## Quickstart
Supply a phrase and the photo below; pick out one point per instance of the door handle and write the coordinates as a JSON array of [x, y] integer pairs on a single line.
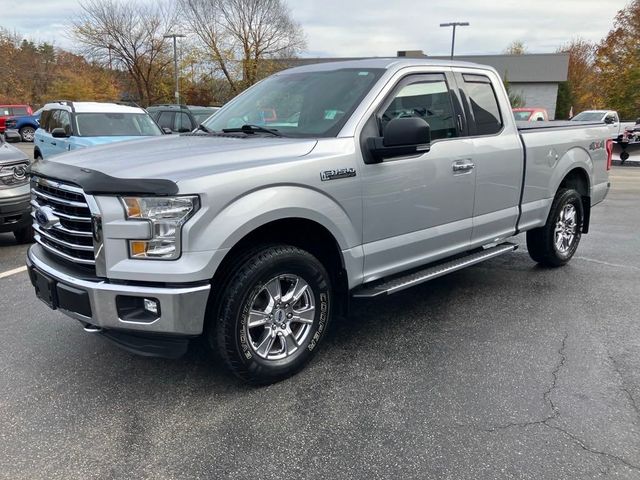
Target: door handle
[[54, 143], [462, 166]]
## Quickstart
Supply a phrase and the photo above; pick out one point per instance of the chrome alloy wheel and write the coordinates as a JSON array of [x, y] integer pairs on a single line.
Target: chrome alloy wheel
[[566, 228], [280, 317], [27, 134]]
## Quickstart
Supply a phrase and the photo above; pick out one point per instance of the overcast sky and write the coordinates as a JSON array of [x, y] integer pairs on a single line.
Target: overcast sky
[[381, 27]]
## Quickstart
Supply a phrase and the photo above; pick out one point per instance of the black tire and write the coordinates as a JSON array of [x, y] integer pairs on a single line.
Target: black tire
[[24, 235], [541, 241], [27, 133], [624, 156], [236, 343]]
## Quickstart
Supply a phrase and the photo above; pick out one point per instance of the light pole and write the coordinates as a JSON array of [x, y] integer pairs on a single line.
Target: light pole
[[453, 37], [175, 61]]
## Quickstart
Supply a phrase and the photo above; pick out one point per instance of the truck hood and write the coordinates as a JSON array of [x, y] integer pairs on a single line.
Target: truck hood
[[9, 153], [180, 157]]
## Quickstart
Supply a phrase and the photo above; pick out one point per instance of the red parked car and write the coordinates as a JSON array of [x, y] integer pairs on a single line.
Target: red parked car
[[12, 111], [530, 114]]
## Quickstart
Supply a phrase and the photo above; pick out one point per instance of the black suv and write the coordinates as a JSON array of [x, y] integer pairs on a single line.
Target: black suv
[[180, 118]]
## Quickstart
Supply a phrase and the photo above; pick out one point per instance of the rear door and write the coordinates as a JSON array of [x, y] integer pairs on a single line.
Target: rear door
[[497, 156], [166, 120]]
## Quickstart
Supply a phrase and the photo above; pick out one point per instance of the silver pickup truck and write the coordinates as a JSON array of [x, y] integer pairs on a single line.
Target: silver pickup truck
[[318, 184]]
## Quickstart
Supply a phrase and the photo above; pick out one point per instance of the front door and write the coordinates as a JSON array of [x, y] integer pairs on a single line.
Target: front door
[[418, 209]]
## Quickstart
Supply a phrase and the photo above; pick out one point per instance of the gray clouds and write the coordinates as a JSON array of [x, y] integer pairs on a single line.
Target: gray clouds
[[380, 27]]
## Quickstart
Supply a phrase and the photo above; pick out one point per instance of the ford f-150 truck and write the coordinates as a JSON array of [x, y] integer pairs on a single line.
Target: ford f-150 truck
[[365, 178]]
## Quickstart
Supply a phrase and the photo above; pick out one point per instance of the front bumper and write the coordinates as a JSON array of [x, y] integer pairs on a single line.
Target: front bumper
[[99, 303], [15, 213]]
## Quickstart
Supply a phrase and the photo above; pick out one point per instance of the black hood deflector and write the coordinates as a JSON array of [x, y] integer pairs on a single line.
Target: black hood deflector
[[97, 183]]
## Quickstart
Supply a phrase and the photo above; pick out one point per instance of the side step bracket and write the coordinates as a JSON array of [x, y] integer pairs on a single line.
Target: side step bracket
[[396, 284]]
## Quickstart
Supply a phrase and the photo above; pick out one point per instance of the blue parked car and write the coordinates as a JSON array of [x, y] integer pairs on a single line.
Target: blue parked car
[[26, 125], [68, 126]]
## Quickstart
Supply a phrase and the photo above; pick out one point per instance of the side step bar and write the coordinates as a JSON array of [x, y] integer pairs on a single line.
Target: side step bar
[[396, 284]]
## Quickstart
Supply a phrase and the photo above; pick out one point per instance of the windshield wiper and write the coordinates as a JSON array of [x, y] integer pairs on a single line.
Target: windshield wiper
[[251, 129], [204, 129]]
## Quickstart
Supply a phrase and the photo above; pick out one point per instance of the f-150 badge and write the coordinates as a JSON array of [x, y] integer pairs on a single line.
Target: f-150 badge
[[337, 173]]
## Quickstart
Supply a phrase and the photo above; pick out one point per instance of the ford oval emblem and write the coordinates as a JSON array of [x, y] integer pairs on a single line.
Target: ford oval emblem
[[46, 218], [19, 172]]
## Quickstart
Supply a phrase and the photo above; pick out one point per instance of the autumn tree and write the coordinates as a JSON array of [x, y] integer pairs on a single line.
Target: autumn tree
[[517, 47], [129, 35], [580, 90], [244, 37], [617, 63]]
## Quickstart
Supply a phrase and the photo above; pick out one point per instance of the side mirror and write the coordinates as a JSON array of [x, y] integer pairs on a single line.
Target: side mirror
[[609, 120], [401, 137], [166, 130], [59, 133]]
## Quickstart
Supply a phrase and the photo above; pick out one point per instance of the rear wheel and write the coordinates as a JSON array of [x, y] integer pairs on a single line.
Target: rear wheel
[[27, 134], [556, 242], [624, 156], [272, 314]]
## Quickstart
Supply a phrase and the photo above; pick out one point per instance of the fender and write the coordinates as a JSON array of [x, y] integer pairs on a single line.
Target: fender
[[576, 157], [276, 202]]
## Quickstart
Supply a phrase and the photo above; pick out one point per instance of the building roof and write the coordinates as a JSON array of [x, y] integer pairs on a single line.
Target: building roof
[[526, 68]]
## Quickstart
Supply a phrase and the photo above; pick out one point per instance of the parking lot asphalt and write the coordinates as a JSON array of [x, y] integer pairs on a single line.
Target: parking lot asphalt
[[501, 371]]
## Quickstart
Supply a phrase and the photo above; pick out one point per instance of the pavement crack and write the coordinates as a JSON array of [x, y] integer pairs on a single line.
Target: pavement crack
[[555, 411], [546, 397], [623, 387], [589, 449], [556, 371]]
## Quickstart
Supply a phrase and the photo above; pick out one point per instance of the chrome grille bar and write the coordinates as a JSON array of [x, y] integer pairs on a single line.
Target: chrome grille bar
[[68, 232]]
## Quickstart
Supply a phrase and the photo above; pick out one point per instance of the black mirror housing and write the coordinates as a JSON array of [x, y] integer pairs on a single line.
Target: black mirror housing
[[59, 133], [406, 131], [402, 136], [167, 131]]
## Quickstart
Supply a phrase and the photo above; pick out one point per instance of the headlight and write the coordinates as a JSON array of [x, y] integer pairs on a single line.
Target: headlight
[[14, 175], [166, 215]]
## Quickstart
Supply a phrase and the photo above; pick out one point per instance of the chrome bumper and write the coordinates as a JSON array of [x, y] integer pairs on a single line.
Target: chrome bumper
[[182, 309]]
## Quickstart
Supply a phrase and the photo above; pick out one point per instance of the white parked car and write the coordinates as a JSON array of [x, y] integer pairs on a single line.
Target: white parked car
[[610, 117]]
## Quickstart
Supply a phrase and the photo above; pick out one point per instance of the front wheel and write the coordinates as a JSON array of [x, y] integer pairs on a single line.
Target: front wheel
[[273, 314], [27, 134], [556, 242]]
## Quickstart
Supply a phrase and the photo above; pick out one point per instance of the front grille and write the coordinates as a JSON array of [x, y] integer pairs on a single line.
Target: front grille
[[67, 232]]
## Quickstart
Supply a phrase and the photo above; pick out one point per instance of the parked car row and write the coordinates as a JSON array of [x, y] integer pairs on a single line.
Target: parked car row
[[171, 118]]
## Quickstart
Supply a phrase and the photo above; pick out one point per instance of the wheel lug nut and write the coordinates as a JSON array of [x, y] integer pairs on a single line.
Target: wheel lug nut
[[289, 315]]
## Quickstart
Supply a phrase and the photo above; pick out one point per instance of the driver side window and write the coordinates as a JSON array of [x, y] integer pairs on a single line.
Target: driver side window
[[428, 98]]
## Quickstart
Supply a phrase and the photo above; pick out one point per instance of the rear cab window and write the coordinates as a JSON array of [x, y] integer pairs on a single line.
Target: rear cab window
[[483, 105]]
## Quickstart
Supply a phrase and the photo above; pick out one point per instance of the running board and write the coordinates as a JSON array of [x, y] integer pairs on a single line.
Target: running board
[[387, 287]]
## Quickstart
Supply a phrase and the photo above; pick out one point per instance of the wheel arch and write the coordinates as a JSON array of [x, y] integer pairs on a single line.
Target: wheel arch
[[578, 180], [304, 233]]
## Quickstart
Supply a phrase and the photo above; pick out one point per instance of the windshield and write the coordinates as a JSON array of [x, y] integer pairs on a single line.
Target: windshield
[[588, 117], [115, 125], [308, 104], [522, 115]]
